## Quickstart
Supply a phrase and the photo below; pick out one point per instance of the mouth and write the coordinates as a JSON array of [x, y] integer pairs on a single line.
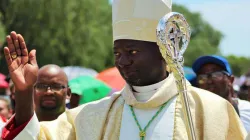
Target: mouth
[[212, 89], [128, 74], [48, 101]]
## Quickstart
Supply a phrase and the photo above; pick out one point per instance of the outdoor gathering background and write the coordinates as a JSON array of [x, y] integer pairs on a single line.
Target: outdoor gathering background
[[79, 32]]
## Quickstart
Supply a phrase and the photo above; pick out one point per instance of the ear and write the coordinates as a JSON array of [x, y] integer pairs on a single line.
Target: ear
[[231, 79], [68, 94]]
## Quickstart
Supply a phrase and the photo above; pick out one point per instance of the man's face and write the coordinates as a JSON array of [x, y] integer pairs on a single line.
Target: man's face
[[50, 91], [212, 78], [244, 92], [74, 100], [140, 63], [4, 110], [245, 89]]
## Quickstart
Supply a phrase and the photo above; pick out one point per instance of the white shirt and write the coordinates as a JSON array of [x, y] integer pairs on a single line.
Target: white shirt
[[2, 124], [160, 129], [244, 109]]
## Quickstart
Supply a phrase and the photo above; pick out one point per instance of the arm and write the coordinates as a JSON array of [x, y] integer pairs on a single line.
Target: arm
[[23, 104], [10, 131], [61, 128], [23, 70]]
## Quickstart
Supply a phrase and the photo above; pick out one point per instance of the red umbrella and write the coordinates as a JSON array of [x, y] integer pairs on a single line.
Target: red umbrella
[[112, 78], [3, 83]]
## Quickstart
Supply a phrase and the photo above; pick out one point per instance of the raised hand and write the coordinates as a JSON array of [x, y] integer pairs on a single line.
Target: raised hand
[[22, 65], [23, 71]]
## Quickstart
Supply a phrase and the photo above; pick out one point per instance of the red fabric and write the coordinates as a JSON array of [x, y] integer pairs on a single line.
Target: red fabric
[[10, 131], [3, 83], [3, 119]]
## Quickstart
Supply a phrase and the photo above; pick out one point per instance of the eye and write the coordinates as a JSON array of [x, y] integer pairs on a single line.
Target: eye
[[202, 77], [133, 52], [41, 86], [56, 87], [217, 74]]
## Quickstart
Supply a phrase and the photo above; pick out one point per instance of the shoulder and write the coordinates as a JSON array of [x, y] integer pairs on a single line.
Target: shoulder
[[208, 100], [89, 108], [95, 106], [205, 95]]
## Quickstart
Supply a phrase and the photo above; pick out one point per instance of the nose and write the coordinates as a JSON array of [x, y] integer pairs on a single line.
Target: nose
[[49, 91], [124, 61], [209, 80]]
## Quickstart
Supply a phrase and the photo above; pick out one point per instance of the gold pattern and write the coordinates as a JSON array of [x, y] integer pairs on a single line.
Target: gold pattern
[[109, 111], [13, 56], [142, 134]]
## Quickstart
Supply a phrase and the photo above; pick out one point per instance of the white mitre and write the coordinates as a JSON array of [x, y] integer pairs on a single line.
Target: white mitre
[[138, 19]]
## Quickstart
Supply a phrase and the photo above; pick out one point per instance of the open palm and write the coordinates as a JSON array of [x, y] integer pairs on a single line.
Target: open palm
[[21, 64]]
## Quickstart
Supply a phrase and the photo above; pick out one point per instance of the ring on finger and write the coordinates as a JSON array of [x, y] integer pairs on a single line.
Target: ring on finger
[[14, 56]]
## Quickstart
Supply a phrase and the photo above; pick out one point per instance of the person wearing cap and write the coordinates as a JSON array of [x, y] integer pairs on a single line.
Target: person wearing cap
[[149, 106], [215, 75], [245, 87]]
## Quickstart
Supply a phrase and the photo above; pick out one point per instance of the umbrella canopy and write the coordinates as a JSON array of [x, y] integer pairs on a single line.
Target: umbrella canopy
[[189, 73], [76, 71], [89, 88], [3, 82], [112, 78]]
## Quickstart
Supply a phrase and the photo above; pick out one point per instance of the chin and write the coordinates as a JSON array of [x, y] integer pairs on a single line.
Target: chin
[[133, 82], [48, 107]]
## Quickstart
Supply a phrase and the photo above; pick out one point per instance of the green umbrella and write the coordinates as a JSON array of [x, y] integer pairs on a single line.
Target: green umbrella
[[89, 88]]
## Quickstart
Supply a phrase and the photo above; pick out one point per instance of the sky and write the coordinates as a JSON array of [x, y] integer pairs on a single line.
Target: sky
[[231, 17]]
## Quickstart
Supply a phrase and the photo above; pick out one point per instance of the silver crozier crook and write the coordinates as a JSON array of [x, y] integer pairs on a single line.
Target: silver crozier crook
[[173, 35]]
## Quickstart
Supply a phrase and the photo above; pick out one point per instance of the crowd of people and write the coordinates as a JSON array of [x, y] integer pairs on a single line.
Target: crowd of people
[[42, 103]]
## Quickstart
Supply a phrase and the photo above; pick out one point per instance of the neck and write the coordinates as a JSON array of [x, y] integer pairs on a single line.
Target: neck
[[144, 93], [165, 92], [151, 82], [229, 98], [231, 95], [48, 115]]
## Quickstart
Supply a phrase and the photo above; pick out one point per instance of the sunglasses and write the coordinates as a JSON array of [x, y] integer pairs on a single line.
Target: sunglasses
[[218, 75]]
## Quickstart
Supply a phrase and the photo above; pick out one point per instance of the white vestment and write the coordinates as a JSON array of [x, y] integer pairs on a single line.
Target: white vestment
[[162, 126]]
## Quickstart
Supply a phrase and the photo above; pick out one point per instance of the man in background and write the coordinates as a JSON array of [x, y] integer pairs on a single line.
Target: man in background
[[5, 108], [214, 74], [50, 92], [244, 93]]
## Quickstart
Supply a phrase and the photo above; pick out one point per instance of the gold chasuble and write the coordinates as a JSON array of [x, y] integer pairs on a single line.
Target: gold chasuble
[[214, 118]]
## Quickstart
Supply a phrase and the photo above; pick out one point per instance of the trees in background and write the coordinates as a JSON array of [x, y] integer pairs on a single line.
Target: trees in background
[[79, 32], [239, 65], [204, 38], [64, 32]]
